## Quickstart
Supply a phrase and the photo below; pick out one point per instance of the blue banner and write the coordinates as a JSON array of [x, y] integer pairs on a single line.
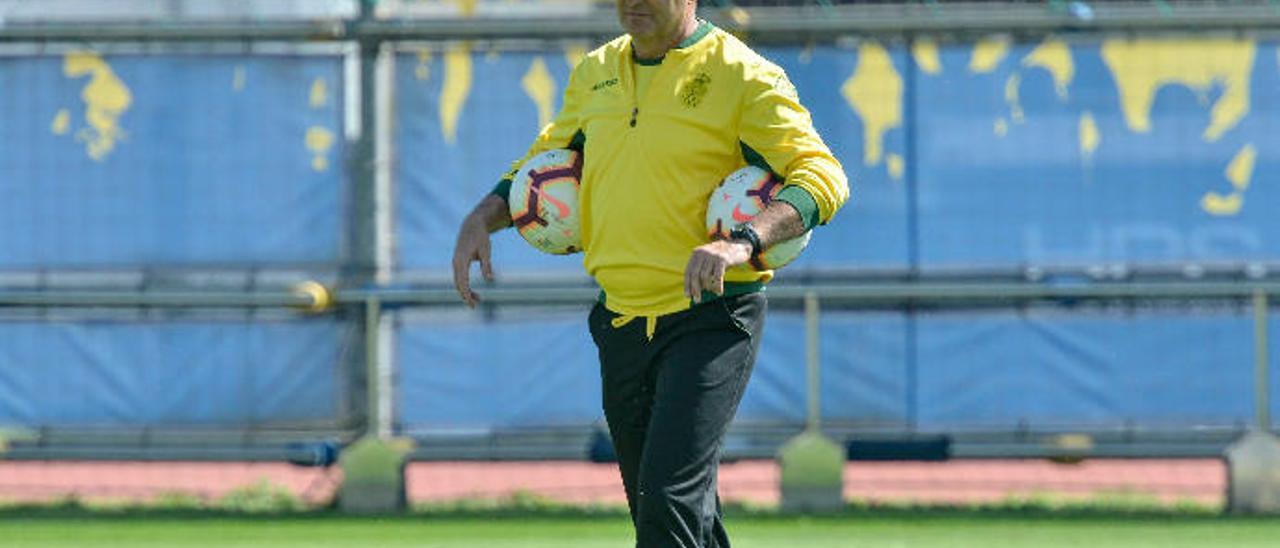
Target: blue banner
[[1106, 370], [463, 373], [177, 373], [1124, 152], [154, 160], [1042, 369]]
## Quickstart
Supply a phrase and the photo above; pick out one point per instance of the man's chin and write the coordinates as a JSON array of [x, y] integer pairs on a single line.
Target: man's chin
[[637, 26]]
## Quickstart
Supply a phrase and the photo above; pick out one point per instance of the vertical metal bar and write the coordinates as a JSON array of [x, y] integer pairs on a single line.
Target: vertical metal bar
[[911, 354], [910, 131], [360, 246], [910, 156], [383, 206], [383, 150], [1261, 361], [813, 362], [375, 416], [386, 375]]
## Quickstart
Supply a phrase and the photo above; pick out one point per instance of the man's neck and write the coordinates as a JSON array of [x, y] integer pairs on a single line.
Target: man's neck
[[658, 47]]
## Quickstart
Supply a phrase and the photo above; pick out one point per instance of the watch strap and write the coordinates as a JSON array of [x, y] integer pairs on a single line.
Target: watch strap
[[747, 232]]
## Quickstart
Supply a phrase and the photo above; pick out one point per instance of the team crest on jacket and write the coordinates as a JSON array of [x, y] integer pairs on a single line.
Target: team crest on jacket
[[695, 89]]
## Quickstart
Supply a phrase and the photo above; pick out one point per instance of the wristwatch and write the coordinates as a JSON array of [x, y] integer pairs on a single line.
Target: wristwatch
[[747, 232]]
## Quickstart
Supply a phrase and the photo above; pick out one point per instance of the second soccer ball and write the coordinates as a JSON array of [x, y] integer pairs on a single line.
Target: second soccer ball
[[742, 195]]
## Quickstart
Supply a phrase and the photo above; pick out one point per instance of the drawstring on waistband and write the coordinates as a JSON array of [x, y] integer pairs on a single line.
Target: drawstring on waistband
[[731, 289], [650, 323]]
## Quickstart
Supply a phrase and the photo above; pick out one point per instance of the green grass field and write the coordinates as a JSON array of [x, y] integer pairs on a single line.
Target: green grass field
[[611, 531]]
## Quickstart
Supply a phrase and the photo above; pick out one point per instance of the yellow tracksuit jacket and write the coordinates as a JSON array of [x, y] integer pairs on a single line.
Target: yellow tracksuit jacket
[[651, 162]]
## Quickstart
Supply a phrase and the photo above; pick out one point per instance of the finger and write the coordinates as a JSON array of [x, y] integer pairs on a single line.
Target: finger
[[696, 285], [717, 283], [462, 279], [486, 265], [708, 281]]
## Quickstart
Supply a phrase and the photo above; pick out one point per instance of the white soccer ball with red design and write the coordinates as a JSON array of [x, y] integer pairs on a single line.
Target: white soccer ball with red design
[[544, 201], [742, 195]]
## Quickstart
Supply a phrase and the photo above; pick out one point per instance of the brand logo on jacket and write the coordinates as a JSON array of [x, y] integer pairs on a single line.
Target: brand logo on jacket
[[604, 84]]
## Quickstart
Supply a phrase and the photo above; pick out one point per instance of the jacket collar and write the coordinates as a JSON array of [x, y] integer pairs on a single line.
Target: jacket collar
[[704, 28]]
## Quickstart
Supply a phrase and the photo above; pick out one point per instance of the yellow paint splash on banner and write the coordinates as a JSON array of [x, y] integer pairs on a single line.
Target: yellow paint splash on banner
[[1054, 56], [874, 92], [1240, 174], [925, 52], [61, 122], [1012, 98], [319, 141], [319, 95], [457, 87], [1141, 67], [1090, 137], [106, 99], [987, 55], [540, 88], [422, 71]]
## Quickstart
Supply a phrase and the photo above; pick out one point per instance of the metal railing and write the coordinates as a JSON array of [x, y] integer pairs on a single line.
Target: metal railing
[[931, 295], [373, 302], [766, 23]]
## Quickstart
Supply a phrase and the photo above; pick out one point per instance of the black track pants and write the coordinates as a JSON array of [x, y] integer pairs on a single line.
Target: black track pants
[[668, 401]]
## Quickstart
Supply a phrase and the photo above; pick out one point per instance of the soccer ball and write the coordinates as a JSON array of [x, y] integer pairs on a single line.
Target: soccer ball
[[544, 201], [742, 195]]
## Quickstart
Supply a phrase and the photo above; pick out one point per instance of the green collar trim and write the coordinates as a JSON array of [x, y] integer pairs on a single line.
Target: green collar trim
[[704, 28], [647, 62]]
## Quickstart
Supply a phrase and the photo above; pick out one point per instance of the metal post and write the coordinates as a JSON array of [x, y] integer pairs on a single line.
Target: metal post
[[360, 256], [1261, 362], [362, 253], [811, 465], [374, 475], [378, 79], [813, 362], [376, 414], [1252, 484]]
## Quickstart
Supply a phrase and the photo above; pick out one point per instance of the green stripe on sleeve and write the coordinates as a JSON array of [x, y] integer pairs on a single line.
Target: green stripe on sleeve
[[804, 203], [503, 190]]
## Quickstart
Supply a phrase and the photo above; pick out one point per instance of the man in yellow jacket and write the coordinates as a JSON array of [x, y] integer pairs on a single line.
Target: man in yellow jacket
[[662, 115]]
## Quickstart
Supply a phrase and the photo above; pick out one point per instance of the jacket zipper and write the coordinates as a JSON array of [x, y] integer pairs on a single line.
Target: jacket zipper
[[635, 97]]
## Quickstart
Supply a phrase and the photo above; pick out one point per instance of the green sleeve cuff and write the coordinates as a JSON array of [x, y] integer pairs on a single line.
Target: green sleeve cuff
[[804, 203], [503, 190]]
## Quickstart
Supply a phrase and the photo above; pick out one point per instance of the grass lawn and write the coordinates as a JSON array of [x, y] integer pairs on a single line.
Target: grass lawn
[[904, 530]]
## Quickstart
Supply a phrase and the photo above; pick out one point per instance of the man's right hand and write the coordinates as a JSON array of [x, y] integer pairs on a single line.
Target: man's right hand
[[473, 245]]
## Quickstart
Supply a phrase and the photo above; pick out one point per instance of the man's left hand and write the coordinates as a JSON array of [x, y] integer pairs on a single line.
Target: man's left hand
[[705, 271]]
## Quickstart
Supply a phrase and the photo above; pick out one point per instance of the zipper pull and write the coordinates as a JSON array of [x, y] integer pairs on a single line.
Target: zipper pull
[[634, 112]]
